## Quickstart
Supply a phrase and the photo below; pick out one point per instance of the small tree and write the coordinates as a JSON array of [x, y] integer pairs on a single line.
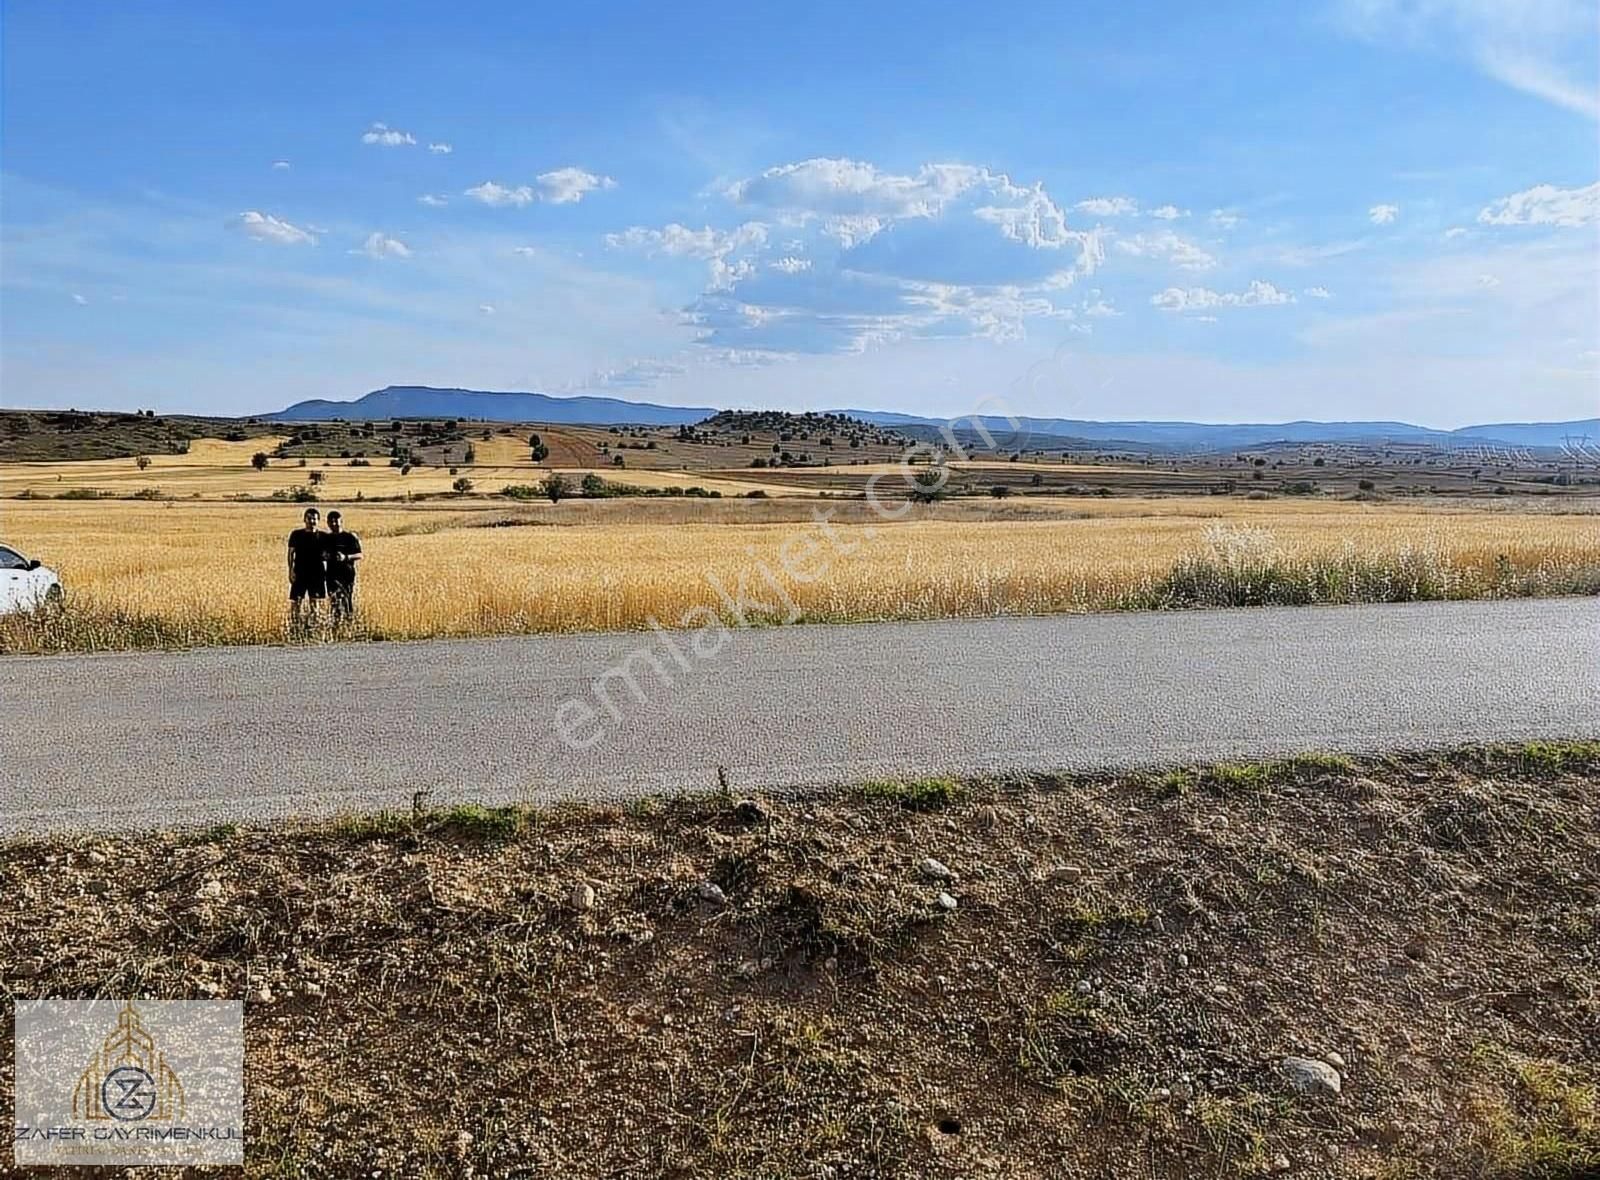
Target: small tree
[[462, 486], [142, 462], [259, 460], [316, 476], [593, 485], [1037, 480], [555, 487], [1000, 491], [540, 452], [928, 486]]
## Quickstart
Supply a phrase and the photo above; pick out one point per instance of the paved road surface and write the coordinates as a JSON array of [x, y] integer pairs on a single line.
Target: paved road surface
[[102, 742]]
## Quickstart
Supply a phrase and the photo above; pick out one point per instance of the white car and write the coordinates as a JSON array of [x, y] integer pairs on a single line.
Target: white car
[[24, 583]]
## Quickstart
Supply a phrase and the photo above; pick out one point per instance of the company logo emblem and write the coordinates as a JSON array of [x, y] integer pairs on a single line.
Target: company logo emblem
[[128, 1078]]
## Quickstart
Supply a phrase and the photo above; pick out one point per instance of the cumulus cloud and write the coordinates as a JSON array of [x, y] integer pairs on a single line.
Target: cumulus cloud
[[867, 256], [264, 227], [440, 149], [1545, 204], [525, 251], [848, 188], [379, 245], [499, 195], [715, 246], [486, 308], [563, 186], [1317, 293], [433, 200], [1168, 212], [1383, 214], [280, 165], [382, 135], [80, 300], [1168, 246], [1225, 218], [1257, 294], [1108, 206]]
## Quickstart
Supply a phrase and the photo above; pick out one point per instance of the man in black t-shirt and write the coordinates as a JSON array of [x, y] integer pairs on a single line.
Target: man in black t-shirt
[[342, 550], [308, 579]]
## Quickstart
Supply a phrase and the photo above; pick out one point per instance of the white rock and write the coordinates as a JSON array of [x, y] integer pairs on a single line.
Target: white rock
[[582, 897], [711, 893], [1334, 1060], [936, 869], [1315, 1079], [946, 902]]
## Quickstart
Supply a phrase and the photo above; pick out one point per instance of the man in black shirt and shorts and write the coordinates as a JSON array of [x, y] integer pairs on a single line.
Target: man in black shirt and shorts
[[343, 550], [308, 579]]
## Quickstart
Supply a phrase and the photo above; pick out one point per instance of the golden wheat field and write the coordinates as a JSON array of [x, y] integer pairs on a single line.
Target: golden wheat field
[[216, 469], [214, 572]]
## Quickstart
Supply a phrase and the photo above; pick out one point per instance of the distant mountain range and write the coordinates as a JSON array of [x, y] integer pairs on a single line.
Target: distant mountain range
[[419, 401]]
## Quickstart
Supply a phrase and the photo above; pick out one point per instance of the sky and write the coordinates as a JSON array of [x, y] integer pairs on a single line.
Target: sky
[[1338, 209]]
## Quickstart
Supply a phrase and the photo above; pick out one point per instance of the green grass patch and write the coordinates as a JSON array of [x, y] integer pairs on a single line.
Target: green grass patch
[[918, 794]]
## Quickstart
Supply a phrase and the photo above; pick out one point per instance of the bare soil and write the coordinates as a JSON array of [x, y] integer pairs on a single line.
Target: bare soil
[[775, 987]]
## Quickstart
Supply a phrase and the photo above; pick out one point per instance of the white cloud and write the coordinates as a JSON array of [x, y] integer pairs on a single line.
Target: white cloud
[[637, 374], [1108, 206], [708, 245], [851, 230], [1225, 218], [1383, 214], [681, 241], [440, 149], [280, 165], [1455, 231], [790, 265], [432, 200], [1258, 294], [1317, 293], [1545, 204], [525, 251], [563, 186], [263, 227], [1488, 282], [1542, 47], [498, 195], [1169, 246], [385, 136], [1168, 212], [846, 188], [380, 246], [79, 300], [486, 308]]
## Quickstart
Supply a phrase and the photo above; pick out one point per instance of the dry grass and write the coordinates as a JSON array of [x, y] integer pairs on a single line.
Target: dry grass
[[1111, 996], [153, 574]]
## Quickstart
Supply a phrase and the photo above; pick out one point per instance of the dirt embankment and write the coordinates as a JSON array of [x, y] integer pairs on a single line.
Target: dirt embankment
[[1062, 977]]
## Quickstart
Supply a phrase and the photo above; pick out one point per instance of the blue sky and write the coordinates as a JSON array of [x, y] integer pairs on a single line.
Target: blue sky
[[1341, 209]]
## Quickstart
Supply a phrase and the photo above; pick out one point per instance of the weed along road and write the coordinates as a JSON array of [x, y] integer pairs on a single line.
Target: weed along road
[[105, 742]]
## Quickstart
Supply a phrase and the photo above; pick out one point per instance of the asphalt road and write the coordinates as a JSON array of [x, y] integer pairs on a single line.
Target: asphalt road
[[140, 740]]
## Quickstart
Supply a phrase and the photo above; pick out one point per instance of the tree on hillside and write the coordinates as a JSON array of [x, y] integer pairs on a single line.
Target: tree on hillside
[[462, 486], [142, 462], [555, 487], [259, 460]]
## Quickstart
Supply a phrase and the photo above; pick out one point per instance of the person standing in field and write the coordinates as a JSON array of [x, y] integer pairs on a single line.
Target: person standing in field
[[343, 550], [308, 578]]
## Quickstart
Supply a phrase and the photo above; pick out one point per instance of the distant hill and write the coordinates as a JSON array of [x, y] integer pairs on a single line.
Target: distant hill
[[1207, 436], [420, 401]]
